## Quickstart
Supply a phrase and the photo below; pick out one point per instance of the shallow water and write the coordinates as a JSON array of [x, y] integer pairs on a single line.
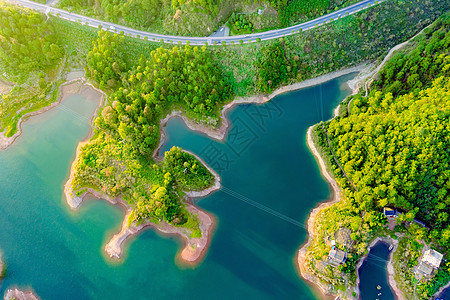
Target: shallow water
[[271, 182]]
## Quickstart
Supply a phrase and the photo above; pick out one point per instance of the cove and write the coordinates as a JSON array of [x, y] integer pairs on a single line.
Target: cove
[[271, 183], [373, 274]]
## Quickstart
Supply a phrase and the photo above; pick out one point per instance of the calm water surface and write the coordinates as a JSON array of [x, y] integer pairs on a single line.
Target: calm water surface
[[373, 274], [271, 183]]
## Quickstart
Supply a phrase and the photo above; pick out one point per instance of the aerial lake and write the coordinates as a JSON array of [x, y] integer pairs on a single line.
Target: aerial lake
[[271, 182]]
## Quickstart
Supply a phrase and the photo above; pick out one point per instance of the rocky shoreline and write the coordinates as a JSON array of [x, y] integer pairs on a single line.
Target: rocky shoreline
[[16, 294]]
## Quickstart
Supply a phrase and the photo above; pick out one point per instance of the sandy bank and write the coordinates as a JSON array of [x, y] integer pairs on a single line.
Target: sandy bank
[[336, 196], [17, 294], [66, 89], [194, 247]]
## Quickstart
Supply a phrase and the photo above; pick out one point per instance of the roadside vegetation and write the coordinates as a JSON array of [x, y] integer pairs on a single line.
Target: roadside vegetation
[[392, 149], [203, 17], [365, 36]]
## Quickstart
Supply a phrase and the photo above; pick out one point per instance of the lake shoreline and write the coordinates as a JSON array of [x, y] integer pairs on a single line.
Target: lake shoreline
[[219, 133], [335, 197], [194, 248], [66, 89], [389, 267], [310, 228], [362, 80]]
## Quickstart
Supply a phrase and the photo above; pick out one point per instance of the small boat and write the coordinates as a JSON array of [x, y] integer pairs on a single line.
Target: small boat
[[378, 287]]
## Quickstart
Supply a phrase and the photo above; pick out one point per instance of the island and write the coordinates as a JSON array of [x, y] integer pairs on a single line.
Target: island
[[385, 154]]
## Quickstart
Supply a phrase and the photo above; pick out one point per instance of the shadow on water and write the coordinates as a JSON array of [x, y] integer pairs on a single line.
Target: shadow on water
[[373, 274]]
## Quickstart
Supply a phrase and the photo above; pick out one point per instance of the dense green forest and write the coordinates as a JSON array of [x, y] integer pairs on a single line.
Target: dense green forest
[[30, 55], [118, 160], [365, 36], [405, 138], [144, 85], [201, 17], [144, 81], [393, 146]]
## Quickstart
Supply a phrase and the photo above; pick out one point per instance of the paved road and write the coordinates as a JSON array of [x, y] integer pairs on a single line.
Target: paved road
[[267, 35]]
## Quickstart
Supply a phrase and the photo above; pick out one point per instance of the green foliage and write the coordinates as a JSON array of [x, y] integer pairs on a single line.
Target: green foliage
[[106, 59], [199, 17], [368, 144], [27, 42], [364, 36], [31, 56], [302, 10], [426, 288], [135, 13], [188, 172], [118, 161], [183, 78], [240, 24], [273, 67], [394, 149], [408, 71]]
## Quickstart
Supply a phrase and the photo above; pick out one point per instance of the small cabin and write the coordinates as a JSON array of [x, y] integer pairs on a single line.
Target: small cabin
[[390, 212], [431, 260], [337, 256]]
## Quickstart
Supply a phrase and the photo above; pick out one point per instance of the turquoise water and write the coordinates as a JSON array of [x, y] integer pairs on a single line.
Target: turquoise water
[[373, 274], [271, 183]]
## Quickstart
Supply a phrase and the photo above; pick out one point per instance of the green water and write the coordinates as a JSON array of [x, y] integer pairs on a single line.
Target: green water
[[265, 160]]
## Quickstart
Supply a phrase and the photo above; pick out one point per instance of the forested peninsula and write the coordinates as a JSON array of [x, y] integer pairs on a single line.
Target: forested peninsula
[[146, 81], [388, 152]]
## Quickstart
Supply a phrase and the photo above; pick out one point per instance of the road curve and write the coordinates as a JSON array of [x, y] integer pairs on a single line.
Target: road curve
[[267, 35]]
